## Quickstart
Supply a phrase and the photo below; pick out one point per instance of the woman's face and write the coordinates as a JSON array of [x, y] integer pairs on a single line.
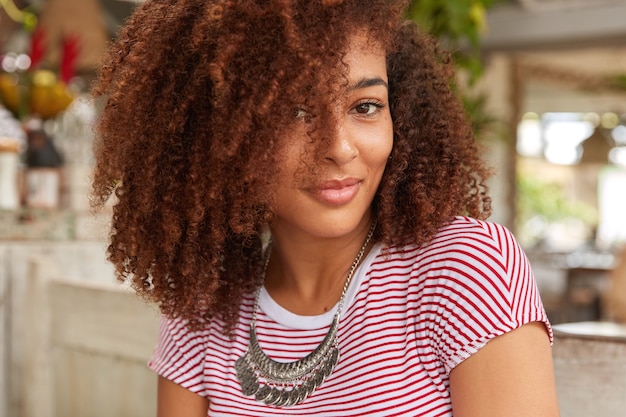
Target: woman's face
[[338, 198]]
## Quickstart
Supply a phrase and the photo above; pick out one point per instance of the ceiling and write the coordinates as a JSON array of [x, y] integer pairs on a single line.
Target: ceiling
[[567, 50], [549, 24]]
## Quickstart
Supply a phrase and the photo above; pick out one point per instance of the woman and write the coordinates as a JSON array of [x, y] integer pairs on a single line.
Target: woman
[[290, 179]]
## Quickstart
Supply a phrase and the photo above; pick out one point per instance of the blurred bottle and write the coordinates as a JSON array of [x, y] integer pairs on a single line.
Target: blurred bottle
[[43, 163], [9, 168], [12, 142]]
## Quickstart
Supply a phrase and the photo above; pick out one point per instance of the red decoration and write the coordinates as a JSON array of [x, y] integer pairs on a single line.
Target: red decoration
[[70, 52], [37, 48]]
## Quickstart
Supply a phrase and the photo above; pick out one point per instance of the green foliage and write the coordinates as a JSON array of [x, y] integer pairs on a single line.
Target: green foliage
[[536, 197], [618, 82], [458, 24], [26, 16]]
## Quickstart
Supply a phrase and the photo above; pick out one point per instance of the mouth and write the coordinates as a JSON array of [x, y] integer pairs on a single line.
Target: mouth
[[336, 192]]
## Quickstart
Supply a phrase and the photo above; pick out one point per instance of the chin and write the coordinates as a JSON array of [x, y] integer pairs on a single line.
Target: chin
[[339, 226]]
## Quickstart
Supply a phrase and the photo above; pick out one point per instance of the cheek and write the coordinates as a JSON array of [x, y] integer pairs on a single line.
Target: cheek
[[389, 146], [381, 148]]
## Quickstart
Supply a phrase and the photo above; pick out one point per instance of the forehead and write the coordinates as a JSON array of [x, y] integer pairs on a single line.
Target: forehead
[[365, 58]]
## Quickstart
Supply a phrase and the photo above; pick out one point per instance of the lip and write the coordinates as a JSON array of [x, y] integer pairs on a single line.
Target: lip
[[337, 192]]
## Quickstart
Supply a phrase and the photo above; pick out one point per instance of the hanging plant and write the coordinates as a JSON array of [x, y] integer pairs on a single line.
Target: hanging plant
[[459, 26]]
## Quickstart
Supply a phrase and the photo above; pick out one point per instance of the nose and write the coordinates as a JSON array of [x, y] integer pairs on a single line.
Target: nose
[[343, 145]]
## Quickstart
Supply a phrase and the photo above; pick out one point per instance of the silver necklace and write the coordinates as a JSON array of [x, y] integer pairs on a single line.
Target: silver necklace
[[287, 384]]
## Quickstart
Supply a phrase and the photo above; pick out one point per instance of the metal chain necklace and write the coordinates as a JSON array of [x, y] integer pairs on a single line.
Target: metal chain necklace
[[287, 384]]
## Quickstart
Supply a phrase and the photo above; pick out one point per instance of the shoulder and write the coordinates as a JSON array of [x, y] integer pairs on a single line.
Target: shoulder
[[464, 240], [181, 352], [471, 268], [478, 284], [467, 229], [479, 243], [177, 341]]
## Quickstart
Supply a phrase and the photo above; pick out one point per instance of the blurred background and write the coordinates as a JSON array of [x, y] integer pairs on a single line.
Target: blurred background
[[544, 82]]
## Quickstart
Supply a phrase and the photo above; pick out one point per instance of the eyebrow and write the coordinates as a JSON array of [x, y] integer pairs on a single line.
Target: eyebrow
[[369, 82]]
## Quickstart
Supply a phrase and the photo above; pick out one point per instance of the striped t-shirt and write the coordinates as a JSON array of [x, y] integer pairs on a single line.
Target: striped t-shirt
[[411, 315]]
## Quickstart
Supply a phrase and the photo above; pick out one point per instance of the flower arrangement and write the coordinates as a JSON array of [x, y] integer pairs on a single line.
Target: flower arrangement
[[27, 89]]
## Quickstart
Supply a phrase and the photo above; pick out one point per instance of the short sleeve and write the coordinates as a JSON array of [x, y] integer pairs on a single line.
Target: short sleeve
[[482, 287], [179, 355]]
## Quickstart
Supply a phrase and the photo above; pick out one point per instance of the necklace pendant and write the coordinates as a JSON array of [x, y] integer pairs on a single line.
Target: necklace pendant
[[278, 390], [247, 378]]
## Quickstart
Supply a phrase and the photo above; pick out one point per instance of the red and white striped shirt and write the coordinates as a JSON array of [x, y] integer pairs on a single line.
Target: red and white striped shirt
[[411, 315]]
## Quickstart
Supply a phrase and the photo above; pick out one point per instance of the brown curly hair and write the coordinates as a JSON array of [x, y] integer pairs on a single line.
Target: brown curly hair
[[195, 92]]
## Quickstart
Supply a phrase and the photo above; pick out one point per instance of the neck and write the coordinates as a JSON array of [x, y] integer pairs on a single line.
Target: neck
[[306, 275]]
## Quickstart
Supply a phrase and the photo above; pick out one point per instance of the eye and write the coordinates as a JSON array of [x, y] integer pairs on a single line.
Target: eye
[[368, 107]]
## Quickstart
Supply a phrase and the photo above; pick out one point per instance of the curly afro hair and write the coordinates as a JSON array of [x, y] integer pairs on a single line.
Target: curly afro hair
[[194, 94]]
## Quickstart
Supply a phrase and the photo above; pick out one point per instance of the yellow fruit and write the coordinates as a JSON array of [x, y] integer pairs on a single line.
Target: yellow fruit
[[49, 100], [46, 96], [9, 92], [44, 78]]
